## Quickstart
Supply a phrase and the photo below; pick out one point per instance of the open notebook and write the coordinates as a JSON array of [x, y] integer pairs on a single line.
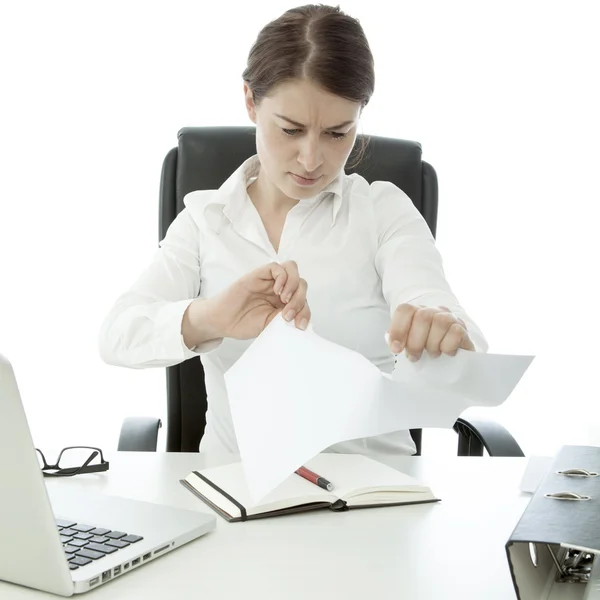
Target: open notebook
[[359, 482]]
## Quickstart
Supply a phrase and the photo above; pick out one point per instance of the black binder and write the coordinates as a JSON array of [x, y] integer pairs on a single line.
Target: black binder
[[558, 537]]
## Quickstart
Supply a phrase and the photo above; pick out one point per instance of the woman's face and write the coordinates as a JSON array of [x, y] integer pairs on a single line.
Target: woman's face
[[304, 136]]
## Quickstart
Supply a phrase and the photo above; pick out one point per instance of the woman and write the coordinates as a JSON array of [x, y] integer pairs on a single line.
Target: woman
[[290, 233]]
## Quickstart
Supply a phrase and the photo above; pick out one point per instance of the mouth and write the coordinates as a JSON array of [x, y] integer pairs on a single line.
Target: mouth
[[305, 180]]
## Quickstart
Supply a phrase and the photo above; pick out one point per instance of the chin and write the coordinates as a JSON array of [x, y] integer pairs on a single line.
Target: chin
[[296, 194]]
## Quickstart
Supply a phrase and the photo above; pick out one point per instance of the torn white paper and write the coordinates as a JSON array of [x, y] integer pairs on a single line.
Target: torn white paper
[[293, 394]]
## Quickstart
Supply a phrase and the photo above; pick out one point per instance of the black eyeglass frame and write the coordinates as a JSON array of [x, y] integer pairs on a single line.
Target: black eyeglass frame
[[70, 471]]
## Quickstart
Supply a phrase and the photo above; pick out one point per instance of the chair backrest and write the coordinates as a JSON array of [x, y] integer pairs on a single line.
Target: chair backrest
[[204, 158]]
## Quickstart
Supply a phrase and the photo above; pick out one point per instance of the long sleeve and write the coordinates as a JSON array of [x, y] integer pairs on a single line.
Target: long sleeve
[[409, 264], [143, 328]]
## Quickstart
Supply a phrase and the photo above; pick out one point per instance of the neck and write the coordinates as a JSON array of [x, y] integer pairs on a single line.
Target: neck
[[269, 199]]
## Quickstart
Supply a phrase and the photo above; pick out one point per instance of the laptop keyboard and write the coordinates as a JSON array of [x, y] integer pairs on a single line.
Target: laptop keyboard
[[85, 543]]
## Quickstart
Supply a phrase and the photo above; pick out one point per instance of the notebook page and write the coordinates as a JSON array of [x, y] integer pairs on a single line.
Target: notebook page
[[230, 478], [354, 473]]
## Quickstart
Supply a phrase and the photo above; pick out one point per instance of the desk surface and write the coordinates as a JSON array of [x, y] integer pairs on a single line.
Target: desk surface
[[449, 550]]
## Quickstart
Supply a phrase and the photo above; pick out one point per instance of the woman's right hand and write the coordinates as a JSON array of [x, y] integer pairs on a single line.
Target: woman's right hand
[[247, 306]]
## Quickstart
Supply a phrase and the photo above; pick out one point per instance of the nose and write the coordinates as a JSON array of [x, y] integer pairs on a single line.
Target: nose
[[310, 155]]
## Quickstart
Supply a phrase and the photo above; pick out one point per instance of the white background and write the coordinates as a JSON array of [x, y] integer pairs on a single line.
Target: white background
[[502, 96]]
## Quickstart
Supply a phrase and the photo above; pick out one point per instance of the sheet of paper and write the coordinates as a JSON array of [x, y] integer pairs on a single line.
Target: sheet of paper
[[293, 394]]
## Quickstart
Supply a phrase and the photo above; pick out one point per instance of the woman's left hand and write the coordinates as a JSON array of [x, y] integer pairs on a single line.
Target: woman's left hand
[[418, 328]]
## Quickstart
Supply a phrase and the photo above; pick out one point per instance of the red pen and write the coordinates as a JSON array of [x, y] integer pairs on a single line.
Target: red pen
[[314, 478]]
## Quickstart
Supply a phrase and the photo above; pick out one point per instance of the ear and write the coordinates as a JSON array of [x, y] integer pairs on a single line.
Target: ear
[[250, 106]]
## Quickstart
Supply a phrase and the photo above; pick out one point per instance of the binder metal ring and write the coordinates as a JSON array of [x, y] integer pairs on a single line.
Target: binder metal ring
[[533, 554], [567, 496], [577, 473]]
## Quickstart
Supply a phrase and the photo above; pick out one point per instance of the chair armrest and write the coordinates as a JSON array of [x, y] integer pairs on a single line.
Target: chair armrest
[[139, 434], [476, 434]]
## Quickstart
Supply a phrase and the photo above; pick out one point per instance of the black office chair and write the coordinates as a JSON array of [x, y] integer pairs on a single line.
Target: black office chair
[[204, 159]]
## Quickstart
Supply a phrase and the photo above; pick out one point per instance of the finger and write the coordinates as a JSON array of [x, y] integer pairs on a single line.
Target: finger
[[273, 272], [400, 326], [467, 343], [419, 332], [453, 340], [296, 303], [457, 318], [442, 321], [292, 281], [303, 317]]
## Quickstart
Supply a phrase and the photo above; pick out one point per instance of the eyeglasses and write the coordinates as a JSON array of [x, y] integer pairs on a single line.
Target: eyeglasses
[[73, 460]]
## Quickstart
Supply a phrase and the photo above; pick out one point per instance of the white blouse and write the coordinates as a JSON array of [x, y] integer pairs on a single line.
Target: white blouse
[[363, 249]]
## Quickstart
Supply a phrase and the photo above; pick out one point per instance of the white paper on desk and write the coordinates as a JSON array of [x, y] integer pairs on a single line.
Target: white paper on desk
[[293, 393]]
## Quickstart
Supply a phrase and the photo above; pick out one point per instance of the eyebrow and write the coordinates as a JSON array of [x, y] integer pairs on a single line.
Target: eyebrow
[[304, 126]]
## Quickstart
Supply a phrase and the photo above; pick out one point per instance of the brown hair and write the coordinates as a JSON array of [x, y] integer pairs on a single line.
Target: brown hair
[[315, 42]]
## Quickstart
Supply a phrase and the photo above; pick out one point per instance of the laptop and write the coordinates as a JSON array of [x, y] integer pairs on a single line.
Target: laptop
[[66, 542]]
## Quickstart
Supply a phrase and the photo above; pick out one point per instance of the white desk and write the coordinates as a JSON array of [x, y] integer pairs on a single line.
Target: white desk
[[450, 550]]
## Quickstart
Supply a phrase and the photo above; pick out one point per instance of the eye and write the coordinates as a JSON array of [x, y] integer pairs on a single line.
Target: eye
[[336, 135], [291, 131]]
